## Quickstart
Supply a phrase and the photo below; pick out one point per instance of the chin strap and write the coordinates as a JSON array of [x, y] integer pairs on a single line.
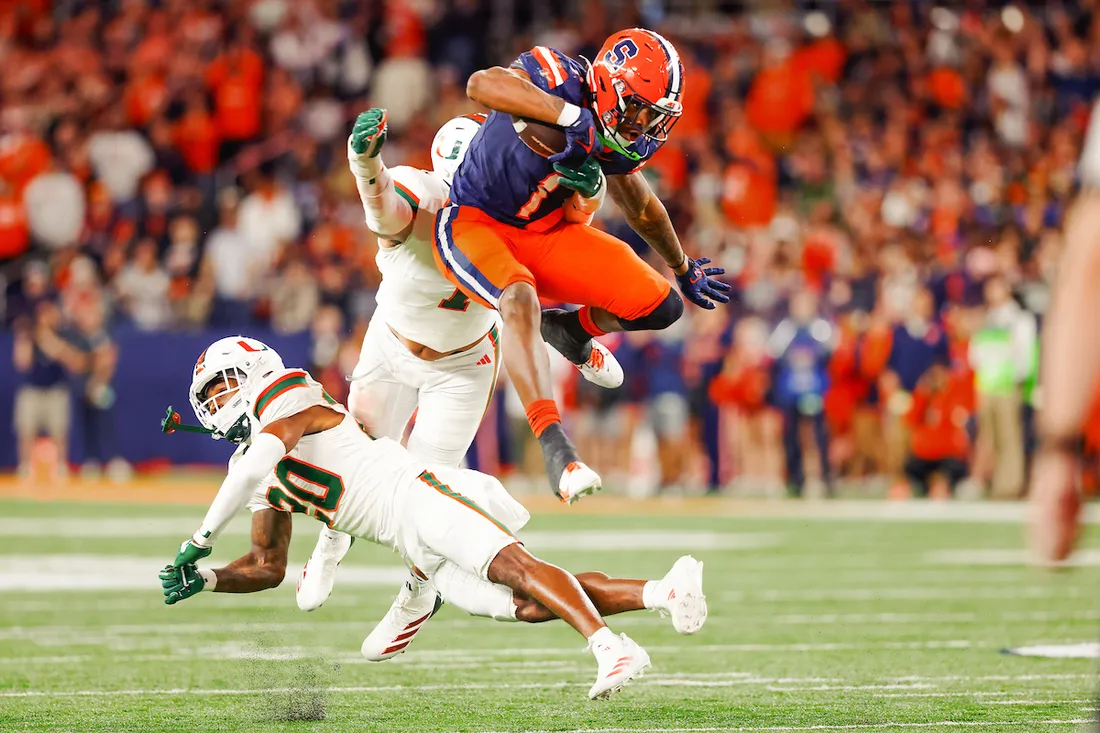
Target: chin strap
[[170, 423]]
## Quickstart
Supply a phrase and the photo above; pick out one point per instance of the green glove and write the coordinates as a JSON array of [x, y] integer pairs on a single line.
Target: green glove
[[180, 582], [368, 135], [585, 178], [191, 552]]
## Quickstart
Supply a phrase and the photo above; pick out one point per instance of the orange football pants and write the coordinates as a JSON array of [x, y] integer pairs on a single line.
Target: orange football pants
[[565, 262]]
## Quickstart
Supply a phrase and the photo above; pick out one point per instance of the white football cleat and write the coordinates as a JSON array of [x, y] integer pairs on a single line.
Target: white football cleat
[[319, 573], [681, 595], [578, 481], [602, 368], [620, 660], [414, 605]]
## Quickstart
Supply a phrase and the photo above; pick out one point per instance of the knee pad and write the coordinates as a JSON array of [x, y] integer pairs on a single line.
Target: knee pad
[[667, 312]]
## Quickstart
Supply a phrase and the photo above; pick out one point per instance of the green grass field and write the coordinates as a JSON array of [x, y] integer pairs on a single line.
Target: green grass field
[[815, 624]]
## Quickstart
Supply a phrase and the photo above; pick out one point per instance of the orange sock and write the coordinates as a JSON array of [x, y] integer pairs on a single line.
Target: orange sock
[[584, 315], [541, 414]]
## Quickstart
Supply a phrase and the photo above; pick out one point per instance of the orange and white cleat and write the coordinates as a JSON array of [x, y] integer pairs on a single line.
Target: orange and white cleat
[[578, 481], [620, 661], [415, 604], [680, 595], [602, 368]]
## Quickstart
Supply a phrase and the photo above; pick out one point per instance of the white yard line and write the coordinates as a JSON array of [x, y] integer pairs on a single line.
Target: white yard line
[[588, 540], [910, 618], [91, 635], [1012, 557], [854, 726], [991, 592]]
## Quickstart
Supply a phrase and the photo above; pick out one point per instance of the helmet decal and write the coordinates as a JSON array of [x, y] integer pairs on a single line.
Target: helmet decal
[[623, 50]]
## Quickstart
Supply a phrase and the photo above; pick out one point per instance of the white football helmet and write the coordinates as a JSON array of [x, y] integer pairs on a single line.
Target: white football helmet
[[451, 143], [240, 362]]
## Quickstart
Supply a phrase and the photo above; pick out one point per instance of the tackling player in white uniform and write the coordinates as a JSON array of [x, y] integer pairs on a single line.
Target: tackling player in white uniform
[[428, 349], [301, 452]]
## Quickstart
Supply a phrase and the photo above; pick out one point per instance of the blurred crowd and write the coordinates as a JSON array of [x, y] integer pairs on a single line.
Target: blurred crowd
[[883, 182]]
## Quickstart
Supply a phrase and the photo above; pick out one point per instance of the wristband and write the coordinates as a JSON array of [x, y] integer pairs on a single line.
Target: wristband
[[570, 113], [209, 578]]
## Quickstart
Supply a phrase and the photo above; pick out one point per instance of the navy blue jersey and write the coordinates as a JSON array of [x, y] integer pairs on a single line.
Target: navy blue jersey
[[504, 178]]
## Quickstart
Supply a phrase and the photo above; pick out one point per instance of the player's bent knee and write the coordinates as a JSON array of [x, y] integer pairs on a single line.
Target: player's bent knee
[[519, 301], [667, 312], [512, 566]]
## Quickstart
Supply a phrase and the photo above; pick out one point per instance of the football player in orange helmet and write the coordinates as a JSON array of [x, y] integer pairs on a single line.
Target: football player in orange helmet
[[503, 241]]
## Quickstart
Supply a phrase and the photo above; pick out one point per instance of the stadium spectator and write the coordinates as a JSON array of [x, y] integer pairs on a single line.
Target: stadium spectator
[[800, 346], [43, 358], [743, 385], [294, 298], [666, 400], [142, 288], [937, 420], [54, 203], [916, 344], [268, 219], [120, 157], [95, 405], [1002, 354]]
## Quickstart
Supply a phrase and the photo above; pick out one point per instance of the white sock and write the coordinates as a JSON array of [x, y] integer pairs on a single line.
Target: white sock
[[604, 637], [652, 598]]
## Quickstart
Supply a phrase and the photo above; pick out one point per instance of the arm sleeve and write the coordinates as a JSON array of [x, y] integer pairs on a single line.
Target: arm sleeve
[[388, 210], [240, 482]]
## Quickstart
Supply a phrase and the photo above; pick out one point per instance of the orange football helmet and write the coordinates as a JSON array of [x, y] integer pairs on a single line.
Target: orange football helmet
[[637, 84]]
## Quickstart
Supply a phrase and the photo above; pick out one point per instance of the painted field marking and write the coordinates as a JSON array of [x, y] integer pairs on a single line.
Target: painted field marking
[[622, 540], [854, 726], [1005, 557], [992, 592]]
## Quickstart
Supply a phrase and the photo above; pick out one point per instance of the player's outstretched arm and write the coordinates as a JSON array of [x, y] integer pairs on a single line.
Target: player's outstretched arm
[[268, 448], [262, 568], [389, 216], [647, 216]]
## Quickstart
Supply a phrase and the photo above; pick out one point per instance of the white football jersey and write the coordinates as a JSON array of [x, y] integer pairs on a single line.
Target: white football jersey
[[414, 297], [343, 476]]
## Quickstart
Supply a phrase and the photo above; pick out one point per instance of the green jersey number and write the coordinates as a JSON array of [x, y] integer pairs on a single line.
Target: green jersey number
[[306, 489]]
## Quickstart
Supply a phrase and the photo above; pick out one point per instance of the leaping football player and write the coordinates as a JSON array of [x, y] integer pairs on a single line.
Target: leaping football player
[[300, 451], [503, 241], [427, 349]]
